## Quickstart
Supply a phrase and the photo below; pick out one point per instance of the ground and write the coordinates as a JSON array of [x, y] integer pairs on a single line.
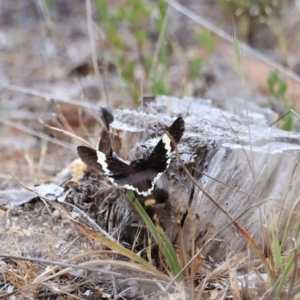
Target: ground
[[46, 66]]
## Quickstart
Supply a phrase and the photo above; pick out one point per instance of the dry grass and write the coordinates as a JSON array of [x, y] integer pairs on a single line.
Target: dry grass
[[48, 253]]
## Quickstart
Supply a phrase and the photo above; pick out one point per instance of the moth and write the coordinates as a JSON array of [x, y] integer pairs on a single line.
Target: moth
[[138, 175]]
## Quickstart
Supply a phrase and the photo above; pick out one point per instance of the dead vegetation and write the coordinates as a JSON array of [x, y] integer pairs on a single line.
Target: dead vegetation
[[59, 62]]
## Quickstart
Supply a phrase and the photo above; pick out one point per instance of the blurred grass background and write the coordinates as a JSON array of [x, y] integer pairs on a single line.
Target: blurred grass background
[[58, 58]]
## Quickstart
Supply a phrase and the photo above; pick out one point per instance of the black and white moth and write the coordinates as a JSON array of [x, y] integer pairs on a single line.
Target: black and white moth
[[138, 175]]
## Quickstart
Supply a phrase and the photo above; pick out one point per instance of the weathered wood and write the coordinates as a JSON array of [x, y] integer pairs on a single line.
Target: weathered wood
[[253, 170]]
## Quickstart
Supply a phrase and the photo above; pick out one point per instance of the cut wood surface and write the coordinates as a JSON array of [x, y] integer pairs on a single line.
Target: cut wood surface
[[251, 169]]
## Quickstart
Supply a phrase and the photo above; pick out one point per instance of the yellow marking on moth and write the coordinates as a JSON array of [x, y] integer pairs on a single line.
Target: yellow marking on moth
[[149, 202]]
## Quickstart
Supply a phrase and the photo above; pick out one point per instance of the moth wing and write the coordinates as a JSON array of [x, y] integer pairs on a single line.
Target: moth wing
[[159, 159], [117, 171], [99, 161]]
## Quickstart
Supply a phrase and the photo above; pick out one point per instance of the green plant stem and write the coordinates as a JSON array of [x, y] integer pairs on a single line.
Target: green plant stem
[[161, 238]]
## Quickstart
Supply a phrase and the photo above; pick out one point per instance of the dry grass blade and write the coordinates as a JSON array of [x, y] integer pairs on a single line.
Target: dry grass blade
[[159, 44], [51, 274], [93, 48], [62, 264], [234, 188], [37, 134], [69, 134], [47, 96], [294, 274], [96, 266], [44, 148], [234, 279], [91, 222], [228, 38], [60, 208], [224, 269], [112, 245], [103, 237], [182, 253], [250, 162], [243, 232], [284, 115]]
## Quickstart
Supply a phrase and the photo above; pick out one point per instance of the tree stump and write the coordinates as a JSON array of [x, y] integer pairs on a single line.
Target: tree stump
[[251, 169]]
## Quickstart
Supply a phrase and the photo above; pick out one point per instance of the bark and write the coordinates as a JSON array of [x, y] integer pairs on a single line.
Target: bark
[[251, 169]]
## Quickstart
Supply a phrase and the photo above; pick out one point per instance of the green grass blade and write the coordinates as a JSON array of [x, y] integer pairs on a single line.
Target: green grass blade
[[161, 238]]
